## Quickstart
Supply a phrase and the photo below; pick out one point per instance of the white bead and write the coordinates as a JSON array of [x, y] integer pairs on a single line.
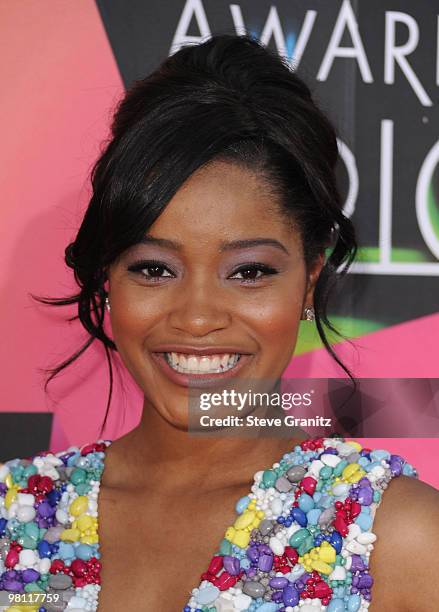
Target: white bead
[[44, 565], [4, 471], [25, 499], [339, 573], [330, 460], [26, 513], [354, 531], [276, 546], [356, 548], [367, 537], [27, 557], [62, 516]]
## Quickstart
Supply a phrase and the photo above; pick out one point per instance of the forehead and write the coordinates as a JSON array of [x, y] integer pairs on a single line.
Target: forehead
[[223, 199]]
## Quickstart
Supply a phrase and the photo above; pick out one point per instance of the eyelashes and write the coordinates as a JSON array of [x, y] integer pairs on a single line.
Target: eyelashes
[[155, 269]]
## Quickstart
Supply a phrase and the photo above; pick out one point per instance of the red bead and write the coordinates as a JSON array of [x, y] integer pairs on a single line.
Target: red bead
[[33, 481], [309, 485], [340, 525], [215, 565], [322, 589], [11, 558], [56, 566], [355, 509], [78, 567], [225, 581], [45, 484], [292, 554]]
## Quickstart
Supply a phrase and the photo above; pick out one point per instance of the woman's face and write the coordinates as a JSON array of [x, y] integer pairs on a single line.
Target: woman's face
[[221, 269]]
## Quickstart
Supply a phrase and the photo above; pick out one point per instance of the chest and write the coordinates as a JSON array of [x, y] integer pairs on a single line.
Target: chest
[[153, 552]]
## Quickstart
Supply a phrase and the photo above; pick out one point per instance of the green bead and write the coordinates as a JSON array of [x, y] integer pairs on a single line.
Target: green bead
[[269, 478], [33, 587], [78, 476], [340, 467], [306, 546], [319, 485], [325, 472], [298, 537], [32, 530], [30, 470], [27, 542], [376, 496], [83, 488], [225, 547]]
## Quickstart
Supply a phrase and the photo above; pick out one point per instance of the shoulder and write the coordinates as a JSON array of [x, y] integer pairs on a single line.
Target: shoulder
[[406, 552]]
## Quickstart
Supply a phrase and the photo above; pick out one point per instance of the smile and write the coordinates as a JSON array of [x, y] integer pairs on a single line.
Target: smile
[[202, 364]]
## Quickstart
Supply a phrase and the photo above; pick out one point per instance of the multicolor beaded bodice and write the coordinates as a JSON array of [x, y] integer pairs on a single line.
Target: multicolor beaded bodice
[[301, 540]]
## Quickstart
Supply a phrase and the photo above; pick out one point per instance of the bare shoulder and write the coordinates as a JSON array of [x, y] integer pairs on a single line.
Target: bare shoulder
[[404, 560]]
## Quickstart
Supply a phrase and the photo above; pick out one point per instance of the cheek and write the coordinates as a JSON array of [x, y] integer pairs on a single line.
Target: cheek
[[276, 320]]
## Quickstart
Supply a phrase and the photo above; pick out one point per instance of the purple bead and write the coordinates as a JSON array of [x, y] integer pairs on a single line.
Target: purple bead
[[253, 553], [277, 597], [231, 565], [290, 596], [30, 575], [45, 510], [365, 581], [396, 464], [13, 585], [365, 496], [357, 564], [265, 562], [265, 549], [278, 582]]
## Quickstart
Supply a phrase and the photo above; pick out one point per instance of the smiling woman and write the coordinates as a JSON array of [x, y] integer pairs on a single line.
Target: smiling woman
[[214, 227]]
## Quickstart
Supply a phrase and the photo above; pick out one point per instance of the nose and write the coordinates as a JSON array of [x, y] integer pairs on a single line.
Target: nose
[[200, 308]]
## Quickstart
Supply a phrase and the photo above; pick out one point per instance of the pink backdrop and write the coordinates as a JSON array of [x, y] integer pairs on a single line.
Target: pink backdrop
[[60, 84]]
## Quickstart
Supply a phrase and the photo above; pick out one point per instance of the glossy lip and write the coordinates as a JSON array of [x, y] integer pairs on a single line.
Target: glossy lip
[[202, 380]]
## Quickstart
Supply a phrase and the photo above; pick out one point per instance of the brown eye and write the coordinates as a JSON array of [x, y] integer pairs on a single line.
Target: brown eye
[[150, 269], [250, 272]]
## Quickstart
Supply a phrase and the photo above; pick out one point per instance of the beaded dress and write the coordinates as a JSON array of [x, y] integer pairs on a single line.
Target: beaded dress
[[301, 540]]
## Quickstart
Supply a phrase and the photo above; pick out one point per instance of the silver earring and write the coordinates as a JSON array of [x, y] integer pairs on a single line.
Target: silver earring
[[107, 303], [309, 313]]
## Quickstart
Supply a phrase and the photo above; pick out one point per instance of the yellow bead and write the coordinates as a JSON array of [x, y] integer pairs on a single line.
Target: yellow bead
[[357, 476], [89, 539], [242, 539], [321, 566], [245, 519], [8, 481], [10, 497], [79, 505], [350, 470], [230, 532], [70, 535], [327, 552], [84, 522], [357, 446]]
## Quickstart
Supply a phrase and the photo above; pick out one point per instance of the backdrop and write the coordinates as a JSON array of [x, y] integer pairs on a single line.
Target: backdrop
[[373, 67]]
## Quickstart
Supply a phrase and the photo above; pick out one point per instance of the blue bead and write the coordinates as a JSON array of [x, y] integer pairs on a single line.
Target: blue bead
[[300, 517], [408, 470], [336, 605], [336, 540], [379, 454], [354, 603], [242, 504]]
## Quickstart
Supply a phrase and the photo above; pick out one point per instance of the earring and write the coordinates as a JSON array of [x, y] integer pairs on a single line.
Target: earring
[[309, 313], [107, 304]]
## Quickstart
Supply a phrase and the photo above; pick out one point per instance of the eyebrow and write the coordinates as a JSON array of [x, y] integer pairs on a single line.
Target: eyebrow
[[225, 246]]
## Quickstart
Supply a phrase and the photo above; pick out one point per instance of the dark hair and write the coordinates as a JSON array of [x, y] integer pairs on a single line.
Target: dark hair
[[229, 98]]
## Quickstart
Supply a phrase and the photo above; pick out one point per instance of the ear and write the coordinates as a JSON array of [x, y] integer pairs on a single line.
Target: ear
[[312, 278]]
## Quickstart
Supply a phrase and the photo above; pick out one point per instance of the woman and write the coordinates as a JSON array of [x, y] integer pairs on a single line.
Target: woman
[[205, 242]]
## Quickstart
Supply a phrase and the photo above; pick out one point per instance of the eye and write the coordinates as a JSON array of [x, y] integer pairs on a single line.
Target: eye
[[248, 272], [151, 269]]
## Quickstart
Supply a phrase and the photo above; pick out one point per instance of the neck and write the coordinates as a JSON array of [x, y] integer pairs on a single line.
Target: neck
[[173, 458]]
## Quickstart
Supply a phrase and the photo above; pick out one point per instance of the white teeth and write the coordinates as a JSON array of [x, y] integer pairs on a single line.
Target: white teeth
[[193, 364]]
